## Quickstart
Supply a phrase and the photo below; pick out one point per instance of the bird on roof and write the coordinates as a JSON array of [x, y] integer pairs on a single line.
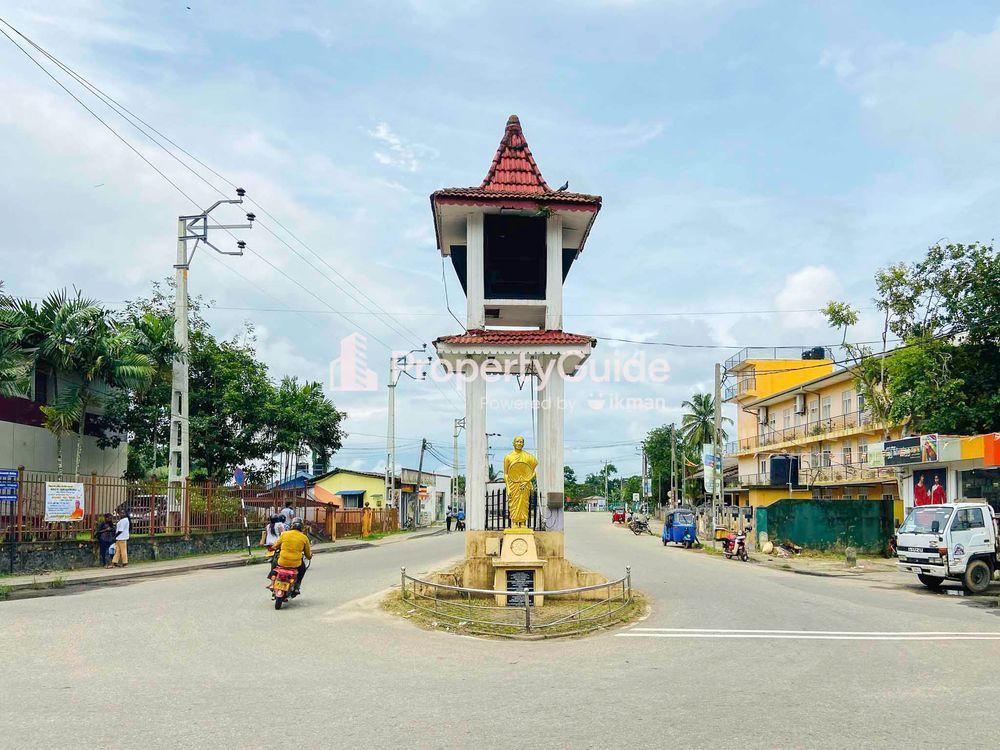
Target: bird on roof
[[563, 187]]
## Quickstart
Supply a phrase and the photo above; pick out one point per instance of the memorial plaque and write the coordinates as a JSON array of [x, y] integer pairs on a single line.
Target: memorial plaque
[[519, 580]]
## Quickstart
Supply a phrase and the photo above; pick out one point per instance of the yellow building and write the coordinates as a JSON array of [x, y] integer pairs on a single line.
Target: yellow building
[[345, 488], [802, 408]]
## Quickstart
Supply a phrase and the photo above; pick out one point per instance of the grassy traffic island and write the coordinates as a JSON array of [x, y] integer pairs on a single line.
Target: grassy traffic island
[[479, 615]]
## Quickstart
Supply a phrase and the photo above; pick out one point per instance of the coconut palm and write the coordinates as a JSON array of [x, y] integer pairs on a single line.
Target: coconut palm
[[15, 366], [698, 422], [60, 417]]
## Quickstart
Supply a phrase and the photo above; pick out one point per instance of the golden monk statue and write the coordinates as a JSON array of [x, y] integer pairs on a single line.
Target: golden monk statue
[[518, 471]]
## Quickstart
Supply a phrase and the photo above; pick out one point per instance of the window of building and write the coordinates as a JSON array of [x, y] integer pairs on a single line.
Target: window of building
[[848, 458], [786, 419], [763, 466], [848, 402], [798, 419], [827, 458], [982, 484], [862, 416], [887, 496], [41, 389], [814, 411], [848, 493], [863, 495], [862, 450], [826, 407], [813, 459]]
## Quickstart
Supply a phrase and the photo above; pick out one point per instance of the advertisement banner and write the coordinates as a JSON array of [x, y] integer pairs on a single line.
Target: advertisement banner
[[64, 501], [8, 485], [903, 451], [711, 465], [929, 486]]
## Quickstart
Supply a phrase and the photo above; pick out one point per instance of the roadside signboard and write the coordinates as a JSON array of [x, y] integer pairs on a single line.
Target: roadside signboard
[[64, 501], [903, 451], [8, 485]]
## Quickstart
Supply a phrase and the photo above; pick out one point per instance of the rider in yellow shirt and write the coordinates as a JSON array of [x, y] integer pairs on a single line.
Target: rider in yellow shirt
[[293, 549]]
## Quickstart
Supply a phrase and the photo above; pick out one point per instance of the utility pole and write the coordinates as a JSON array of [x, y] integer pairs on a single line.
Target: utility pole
[[716, 449], [420, 482], [398, 364], [606, 484], [189, 228], [673, 465], [459, 426], [489, 453]]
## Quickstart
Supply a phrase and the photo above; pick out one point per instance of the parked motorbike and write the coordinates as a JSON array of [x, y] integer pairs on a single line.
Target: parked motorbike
[[735, 545], [285, 585], [640, 526]]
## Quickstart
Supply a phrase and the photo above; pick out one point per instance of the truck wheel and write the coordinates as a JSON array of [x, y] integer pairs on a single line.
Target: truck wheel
[[977, 577], [931, 582]]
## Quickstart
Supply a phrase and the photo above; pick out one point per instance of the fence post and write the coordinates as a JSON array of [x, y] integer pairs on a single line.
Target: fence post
[[208, 503], [402, 581], [628, 578], [93, 500], [527, 612], [152, 507], [20, 503], [185, 509]]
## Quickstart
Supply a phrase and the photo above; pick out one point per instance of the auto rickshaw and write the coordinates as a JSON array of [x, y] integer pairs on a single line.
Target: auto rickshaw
[[678, 527]]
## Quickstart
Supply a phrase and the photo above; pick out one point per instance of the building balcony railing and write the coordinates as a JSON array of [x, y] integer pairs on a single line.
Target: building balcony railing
[[763, 352], [745, 385], [824, 475], [816, 429]]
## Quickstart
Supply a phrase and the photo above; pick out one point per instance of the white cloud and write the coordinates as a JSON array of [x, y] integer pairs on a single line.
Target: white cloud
[[809, 288], [395, 152]]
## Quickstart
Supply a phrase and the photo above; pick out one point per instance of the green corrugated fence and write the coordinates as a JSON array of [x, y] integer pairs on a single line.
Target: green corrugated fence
[[828, 524]]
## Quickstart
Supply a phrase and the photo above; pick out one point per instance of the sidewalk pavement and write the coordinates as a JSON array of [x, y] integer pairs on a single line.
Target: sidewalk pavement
[[870, 568], [151, 569]]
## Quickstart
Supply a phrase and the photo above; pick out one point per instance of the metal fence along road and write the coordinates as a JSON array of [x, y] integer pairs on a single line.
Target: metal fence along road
[[564, 611]]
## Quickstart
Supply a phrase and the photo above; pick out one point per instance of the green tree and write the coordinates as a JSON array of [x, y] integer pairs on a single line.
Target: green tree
[[698, 421], [946, 309], [301, 416], [15, 364]]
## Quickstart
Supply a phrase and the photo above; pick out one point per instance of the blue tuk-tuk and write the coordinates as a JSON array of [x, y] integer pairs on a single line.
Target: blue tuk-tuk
[[678, 527]]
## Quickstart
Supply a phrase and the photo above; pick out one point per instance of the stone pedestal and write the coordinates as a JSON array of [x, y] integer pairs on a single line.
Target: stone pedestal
[[518, 560]]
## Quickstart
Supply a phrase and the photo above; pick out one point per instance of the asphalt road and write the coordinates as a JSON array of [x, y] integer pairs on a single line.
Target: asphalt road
[[203, 661]]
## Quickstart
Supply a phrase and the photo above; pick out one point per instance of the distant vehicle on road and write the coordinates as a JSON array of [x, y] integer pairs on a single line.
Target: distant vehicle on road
[[678, 528], [954, 541]]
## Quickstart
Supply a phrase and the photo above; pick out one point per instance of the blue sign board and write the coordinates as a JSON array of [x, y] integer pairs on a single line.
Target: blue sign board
[[8, 484]]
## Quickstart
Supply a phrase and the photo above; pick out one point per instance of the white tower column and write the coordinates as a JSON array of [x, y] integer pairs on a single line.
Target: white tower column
[[474, 279], [553, 273], [551, 417], [475, 454]]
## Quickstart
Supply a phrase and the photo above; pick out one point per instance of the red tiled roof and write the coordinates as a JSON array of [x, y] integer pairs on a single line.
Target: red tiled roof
[[514, 175], [494, 337], [513, 169]]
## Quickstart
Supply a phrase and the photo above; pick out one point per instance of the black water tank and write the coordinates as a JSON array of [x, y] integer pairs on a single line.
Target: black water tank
[[784, 470], [817, 352]]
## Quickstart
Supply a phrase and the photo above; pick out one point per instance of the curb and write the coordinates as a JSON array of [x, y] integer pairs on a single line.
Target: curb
[[24, 589]]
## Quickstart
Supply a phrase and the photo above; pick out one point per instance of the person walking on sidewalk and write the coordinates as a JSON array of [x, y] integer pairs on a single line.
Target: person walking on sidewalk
[[105, 536], [449, 516], [122, 529]]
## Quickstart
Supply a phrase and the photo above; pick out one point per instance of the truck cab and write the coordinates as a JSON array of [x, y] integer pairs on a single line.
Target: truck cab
[[954, 541]]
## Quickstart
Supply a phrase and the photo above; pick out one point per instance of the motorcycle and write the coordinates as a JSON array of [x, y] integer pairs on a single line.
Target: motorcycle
[[285, 585], [735, 545], [640, 526]]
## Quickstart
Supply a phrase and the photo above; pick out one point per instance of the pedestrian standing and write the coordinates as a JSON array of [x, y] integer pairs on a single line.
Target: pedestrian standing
[[105, 535], [122, 532], [288, 513], [448, 517]]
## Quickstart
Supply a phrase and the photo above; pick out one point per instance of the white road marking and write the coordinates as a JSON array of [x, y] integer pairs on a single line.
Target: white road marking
[[809, 635]]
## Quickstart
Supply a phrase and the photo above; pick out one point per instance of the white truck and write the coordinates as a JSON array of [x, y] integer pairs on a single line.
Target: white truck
[[955, 541]]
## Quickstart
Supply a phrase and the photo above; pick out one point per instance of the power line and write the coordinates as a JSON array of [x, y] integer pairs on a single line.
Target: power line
[[134, 120]]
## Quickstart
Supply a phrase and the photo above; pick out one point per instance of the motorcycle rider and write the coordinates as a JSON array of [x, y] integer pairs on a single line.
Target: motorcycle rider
[[293, 549]]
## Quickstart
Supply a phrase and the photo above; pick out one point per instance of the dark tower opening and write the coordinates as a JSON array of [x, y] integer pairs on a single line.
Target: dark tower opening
[[514, 257]]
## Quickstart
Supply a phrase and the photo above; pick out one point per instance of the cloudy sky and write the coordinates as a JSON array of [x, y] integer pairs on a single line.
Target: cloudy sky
[[756, 159]]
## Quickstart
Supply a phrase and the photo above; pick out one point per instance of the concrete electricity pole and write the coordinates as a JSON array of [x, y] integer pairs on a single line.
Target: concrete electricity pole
[[459, 426], [189, 228], [716, 449], [398, 366], [673, 465]]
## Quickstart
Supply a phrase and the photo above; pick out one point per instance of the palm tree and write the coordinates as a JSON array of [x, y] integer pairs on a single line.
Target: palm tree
[[698, 422], [105, 356], [15, 366], [60, 416]]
